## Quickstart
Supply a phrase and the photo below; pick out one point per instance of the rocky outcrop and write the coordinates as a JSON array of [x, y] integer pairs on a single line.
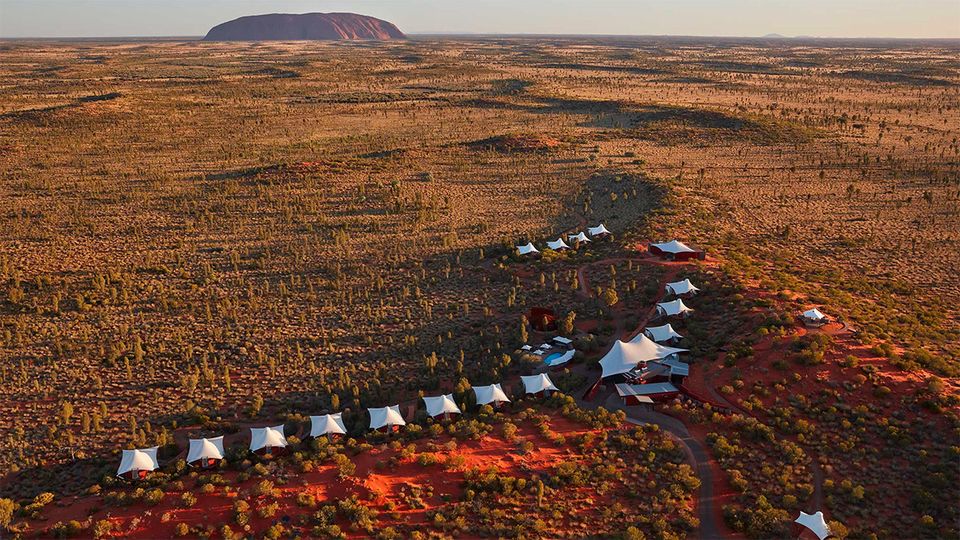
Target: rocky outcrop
[[307, 26]]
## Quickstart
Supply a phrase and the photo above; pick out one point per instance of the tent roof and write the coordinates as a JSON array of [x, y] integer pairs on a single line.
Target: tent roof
[[625, 390], [674, 307], [140, 459], [815, 523], [558, 244], [682, 287], [580, 237], [533, 384], [624, 357], [386, 416], [267, 437], [814, 314], [328, 423], [438, 405], [598, 230], [205, 449], [673, 246], [490, 394], [662, 333], [529, 248]]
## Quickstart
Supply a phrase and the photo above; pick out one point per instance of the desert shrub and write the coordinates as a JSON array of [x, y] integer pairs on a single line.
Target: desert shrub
[[188, 499]]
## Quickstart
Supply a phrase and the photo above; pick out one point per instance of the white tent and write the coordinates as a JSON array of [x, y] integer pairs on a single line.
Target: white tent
[[599, 230], [141, 459], [681, 287], [534, 384], [527, 249], [661, 333], [386, 416], [441, 405], [205, 449], [669, 309], [624, 357], [674, 247], [579, 237], [490, 394], [815, 523], [267, 437], [562, 359], [558, 245], [814, 315], [327, 424]]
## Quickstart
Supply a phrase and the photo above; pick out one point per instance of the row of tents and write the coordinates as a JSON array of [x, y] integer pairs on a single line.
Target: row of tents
[[600, 231], [205, 452]]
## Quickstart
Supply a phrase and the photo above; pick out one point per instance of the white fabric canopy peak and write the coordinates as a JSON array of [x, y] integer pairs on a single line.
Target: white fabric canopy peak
[[386, 416], [439, 405], [579, 237], [674, 246], [814, 314], [815, 523], [681, 287], [527, 249], [624, 357], [598, 230], [140, 459], [205, 449], [675, 307], [327, 424], [490, 394], [662, 333], [267, 437], [558, 245], [534, 384]]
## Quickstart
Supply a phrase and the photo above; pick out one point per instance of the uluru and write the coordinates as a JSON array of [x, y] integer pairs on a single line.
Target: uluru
[[306, 26]]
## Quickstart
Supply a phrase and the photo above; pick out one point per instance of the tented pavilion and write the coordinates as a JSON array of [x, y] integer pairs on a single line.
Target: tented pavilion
[[579, 237], [266, 440], [205, 452], [814, 317], [386, 418], [328, 424], [625, 357], [600, 231], [527, 249], [675, 250], [138, 462], [815, 523], [674, 308], [538, 384], [662, 334], [492, 394], [441, 406], [681, 288], [558, 245]]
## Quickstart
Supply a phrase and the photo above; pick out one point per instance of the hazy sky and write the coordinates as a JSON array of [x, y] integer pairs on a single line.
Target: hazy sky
[[833, 18]]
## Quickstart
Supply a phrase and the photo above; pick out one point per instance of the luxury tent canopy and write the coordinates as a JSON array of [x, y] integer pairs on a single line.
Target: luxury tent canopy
[[205, 449], [662, 333], [441, 405], [599, 230], [675, 307], [490, 394], [386, 417], [815, 523], [674, 247], [558, 245], [681, 287], [624, 357], [328, 424], [814, 315], [527, 249], [534, 384], [579, 237], [266, 438], [138, 460]]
